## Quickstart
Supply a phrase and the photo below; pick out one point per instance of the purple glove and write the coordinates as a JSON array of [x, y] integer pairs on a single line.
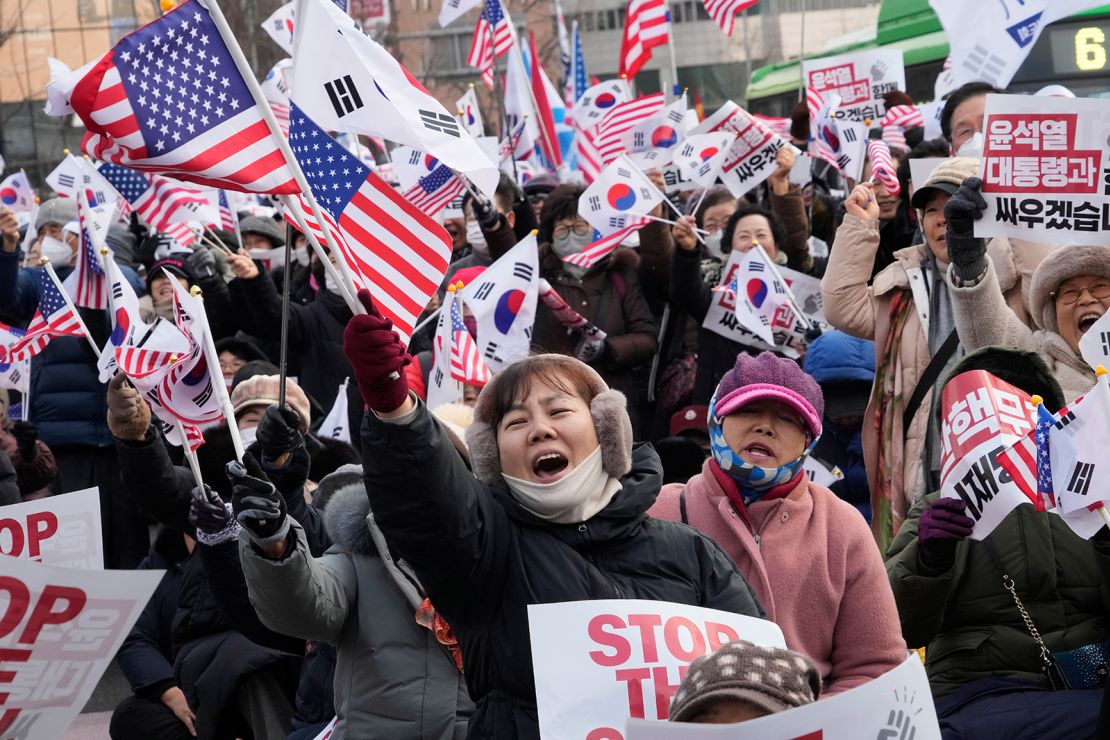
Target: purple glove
[[943, 524]]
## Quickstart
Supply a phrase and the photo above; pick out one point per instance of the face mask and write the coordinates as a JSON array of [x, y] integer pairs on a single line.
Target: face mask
[[713, 242], [56, 250], [572, 243], [301, 254], [248, 436], [330, 285], [973, 147], [476, 238], [575, 497], [752, 480]]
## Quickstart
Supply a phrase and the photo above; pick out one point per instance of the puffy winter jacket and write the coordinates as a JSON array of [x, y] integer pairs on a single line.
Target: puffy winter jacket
[[392, 678], [483, 558]]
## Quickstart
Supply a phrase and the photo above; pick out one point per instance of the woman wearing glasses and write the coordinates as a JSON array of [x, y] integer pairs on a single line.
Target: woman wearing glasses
[[1069, 292], [608, 295]]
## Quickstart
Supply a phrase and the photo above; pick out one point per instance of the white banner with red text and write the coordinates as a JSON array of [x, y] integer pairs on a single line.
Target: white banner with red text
[[63, 531]]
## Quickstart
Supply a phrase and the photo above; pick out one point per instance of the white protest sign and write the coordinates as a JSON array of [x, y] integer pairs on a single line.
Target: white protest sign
[[63, 531], [820, 473], [1045, 169], [1077, 447], [751, 160], [895, 706], [921, 169], [982, 416], [788, 330], [59, 630], [861, 79], [676, 181], [597, 663]]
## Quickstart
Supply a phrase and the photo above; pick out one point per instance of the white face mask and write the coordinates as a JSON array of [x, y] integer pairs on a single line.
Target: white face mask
[[330, 285], [476, 238], [575, 497], [56, 250], [713, 242], [973, 147], [301, 254], [248, 436]]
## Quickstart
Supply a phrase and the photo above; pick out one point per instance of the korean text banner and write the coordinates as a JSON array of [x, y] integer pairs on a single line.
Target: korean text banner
[[1046, 169], [982, 416], [860, 79], [59, 630], [597, 663], [63, 531], [751, 158], [895, 706]]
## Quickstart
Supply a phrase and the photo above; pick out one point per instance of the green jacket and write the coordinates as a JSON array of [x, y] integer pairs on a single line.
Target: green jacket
[[969, 623]]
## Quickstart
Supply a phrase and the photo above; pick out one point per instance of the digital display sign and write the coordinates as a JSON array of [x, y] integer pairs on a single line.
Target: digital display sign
[[1079, 48]]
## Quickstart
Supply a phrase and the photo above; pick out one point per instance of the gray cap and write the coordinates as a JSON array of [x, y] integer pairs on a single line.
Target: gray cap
[[266, 227], [57, 210]]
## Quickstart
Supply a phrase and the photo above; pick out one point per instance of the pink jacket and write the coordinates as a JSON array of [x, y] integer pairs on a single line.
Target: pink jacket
[[815, 568]]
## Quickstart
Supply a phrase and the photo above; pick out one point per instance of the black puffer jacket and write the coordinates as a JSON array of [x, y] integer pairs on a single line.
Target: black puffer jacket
[[483, 559]]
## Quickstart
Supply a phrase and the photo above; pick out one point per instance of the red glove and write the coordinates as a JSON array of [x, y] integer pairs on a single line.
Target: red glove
[[377, 356]]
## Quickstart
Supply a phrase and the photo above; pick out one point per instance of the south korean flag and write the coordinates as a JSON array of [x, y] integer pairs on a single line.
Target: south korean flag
[[651, 143], [14, 374], [620, 193], [596, 102], [503, 301], [700, 157], [1077, 449]]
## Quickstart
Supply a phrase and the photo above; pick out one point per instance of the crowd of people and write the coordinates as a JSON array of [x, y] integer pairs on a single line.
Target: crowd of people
[[386, 581]]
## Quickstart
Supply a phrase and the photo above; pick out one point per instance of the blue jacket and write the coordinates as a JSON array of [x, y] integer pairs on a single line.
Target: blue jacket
[[67, 398]]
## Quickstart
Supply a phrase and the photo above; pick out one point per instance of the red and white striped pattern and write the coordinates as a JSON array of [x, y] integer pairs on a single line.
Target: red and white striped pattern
[[90, 283], [895, 139], [780, 126], [646, 26], [904, 117], [481, 50], [882, 166], [815, 103], [723, 11], [159, 205], [604, 246], [436, 200], [55, 317], [140, 362], [467, 364], [600, 146]]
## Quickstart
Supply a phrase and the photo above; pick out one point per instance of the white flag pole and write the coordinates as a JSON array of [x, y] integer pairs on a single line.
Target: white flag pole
[[25, 411], [190, 454], [1104, 378], [275, 130], [680, 214], [209, 349], [342, 279], [65, 297], [785, 286]]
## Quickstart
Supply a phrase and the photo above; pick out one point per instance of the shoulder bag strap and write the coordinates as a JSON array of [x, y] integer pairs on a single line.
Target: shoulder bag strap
[[928, 378]]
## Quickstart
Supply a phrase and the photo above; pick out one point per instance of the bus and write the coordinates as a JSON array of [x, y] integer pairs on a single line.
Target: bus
[[1072, 52]]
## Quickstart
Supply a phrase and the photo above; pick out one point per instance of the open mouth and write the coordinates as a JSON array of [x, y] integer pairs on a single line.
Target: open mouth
[[549, 466], [1087, 320], [756, 452]]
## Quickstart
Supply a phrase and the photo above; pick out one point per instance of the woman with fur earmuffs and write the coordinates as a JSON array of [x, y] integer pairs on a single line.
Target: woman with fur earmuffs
[[555, 510]]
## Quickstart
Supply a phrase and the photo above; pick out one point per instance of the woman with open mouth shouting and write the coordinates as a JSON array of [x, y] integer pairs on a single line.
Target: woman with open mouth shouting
[[555, 510], [809, 555]]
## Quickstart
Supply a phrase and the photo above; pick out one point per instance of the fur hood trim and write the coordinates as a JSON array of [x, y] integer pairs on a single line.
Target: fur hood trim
[[345, 519]]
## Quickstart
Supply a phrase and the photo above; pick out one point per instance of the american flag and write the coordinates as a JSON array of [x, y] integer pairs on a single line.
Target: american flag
[[229, 219], [1028, 461], [168, 98], [882, 166], [434, 191], [605, 245], [467, 365], [645, 27], [576, 82], [820, 115], [904, 117], [389, 246], [723, 11], [90, 287], [599, 147], [56, 317], [780, 126], [493, 36], [157, 199]]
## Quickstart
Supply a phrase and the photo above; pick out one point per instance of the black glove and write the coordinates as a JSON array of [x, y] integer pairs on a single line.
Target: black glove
[[485, 214], [202, 263], [258, 507], [967, 253], [289, 478], [26, 435], [279, 431], [591, 349], [210, 517]]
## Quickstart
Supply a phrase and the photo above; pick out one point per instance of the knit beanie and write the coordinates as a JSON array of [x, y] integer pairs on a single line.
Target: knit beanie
[[57, 210], [771, 678], [771, 377]]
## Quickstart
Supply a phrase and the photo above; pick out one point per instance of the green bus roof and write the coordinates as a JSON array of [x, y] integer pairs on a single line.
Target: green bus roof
[[909, 25]]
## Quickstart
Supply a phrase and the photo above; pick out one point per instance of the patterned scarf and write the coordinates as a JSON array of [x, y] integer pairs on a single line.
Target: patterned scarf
[[887, 412], [429, 618]]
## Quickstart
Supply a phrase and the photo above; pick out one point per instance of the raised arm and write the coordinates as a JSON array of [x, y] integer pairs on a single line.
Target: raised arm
[[848, 302]]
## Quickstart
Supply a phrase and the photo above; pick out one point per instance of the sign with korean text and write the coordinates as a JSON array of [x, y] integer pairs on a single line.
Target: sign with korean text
[[597, 663], [59, 630], [788, 329], [62, 531], [1046, 169], [895, 706], [982, 416], [751, 159], [861, 79]]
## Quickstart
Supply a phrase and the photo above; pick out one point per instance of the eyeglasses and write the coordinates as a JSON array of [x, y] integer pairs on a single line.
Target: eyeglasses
[[581, 228], [1099, 289]]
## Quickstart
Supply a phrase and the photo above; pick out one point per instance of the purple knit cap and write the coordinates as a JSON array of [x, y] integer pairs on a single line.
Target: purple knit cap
[[770, 377]]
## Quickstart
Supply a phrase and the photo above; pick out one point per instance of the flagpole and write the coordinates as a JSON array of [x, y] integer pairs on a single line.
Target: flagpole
[[283, 348], [674, 60], [785, 286], [190, 453], [25, 412], [427, 319], [275, 130], [45, 261], [666, 200], [342, 279], [209, 349], [499, 96], [1101, 372]]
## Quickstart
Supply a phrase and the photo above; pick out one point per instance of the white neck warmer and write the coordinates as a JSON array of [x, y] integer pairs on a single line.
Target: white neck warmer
[[576, 497]]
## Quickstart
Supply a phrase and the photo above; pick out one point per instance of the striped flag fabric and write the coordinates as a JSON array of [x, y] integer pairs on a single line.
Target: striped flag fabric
[[55, 317], [723, 12], [622, 119], [646, 26], [605, 245], [493, 36], [434, 191], [168, 98], [577, 81], [158, 200], [275, 88], [904, 117], [387, 245], [822, 123], [467, 365], [545, 118], [14, 375], [229, 218], [883, 170], [90, 284], [1028, 461]]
